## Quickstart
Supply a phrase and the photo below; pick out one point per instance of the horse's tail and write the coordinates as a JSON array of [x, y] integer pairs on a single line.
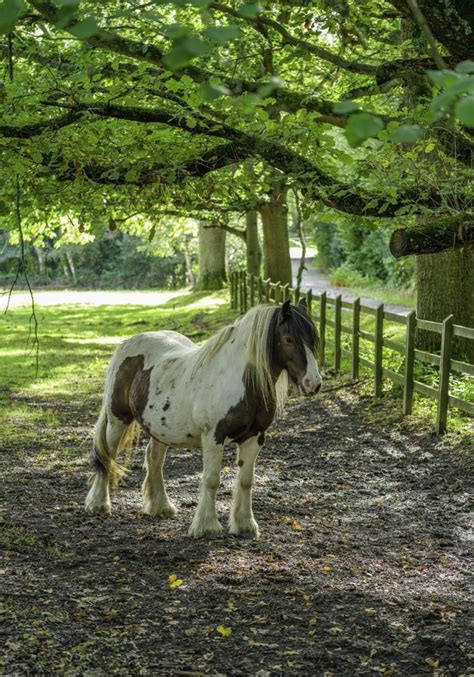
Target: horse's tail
[[103, 459]]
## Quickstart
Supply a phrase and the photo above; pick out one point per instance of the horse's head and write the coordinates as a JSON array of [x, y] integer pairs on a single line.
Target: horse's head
[[293, 346]]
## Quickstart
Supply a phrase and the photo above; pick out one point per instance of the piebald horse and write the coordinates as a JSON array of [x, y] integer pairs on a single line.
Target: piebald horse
[[184, 395]]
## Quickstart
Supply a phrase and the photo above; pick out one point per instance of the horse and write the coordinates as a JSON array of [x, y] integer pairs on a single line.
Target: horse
[[185, 395]]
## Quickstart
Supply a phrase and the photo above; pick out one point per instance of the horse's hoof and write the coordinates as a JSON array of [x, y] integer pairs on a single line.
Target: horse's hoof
[[206, 531], [247, 528], [159, 510], [99, 509]]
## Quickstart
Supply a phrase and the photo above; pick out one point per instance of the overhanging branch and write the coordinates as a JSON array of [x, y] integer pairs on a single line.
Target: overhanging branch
[[435, 235]]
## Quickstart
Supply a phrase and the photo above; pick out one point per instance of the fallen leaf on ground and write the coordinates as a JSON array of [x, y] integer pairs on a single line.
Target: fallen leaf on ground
[[174, 581], [222, 630]]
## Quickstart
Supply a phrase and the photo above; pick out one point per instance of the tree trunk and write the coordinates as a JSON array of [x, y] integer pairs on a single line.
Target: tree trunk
[[66, 271], [41, 262], [71, 265], [212, 273], [276, 246], [189, 263], [445, 284], [253, 248]]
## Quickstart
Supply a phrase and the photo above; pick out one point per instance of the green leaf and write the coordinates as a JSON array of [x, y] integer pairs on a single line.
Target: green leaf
[[465, 67], [182, 52], [267, 88], [345, 107], [177, 58], [406, 134], [222, 34], [212, 92], [194, 46], [203, 4], [10, 10], [66, 12], [443, 78], [249, 10], [85, 29], [362, 126], [464, 111]]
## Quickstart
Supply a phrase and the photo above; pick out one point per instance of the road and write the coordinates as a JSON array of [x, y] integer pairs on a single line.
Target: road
[[317, 281]]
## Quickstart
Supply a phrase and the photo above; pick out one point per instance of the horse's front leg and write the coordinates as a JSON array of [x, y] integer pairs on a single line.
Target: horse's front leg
[[205, 522], [155, 498], [242, 522]]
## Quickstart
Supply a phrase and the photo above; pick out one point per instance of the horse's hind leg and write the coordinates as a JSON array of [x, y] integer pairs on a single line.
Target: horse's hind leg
[[109, 432], [155, 499], [242, 521]]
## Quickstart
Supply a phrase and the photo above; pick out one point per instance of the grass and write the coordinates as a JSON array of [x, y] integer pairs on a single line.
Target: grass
[[76, 343], [460, 385]]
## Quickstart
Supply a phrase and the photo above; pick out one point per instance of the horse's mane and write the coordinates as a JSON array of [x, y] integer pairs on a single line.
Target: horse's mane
[[252, 330]]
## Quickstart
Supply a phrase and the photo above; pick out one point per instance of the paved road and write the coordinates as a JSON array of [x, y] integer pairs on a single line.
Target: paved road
[[317, 281], [61, 297]]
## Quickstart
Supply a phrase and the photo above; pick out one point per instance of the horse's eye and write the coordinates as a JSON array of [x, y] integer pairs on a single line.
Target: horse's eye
[[288, 340]]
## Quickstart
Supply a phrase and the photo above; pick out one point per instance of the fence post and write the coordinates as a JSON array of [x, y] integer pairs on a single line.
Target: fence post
[[267, 290], [284, 292], [231, 287], [443, 392], [355, 338], [241, 292], [337, 333], [252, 289], [296, 296], [309, 301], [409, 377], [246, 302], [322, 328], [378, 375], [261, 294]]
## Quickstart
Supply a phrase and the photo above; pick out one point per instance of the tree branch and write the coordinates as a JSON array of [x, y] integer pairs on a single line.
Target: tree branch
[[285, 99], [426, 30], [34, 129], [435, 235], [289, 39]]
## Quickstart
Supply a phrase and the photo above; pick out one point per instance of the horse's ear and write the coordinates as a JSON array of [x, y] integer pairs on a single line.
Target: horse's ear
[[303, 305], [286, 309]]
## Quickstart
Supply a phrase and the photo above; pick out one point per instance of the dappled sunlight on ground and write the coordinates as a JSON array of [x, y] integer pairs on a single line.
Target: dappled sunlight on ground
[[59, 297], [362, 563]]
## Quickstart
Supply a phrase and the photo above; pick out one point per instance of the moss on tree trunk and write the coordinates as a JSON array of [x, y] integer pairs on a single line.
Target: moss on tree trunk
[[212, 273], [251, 239], [276, 246], [445, 284]]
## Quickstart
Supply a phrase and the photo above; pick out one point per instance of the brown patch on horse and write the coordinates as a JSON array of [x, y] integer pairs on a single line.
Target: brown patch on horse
[[131, 389], [248, 418]]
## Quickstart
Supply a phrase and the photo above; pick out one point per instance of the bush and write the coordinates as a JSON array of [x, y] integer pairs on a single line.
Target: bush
[[117, 260], [356, 254], [346, 276]]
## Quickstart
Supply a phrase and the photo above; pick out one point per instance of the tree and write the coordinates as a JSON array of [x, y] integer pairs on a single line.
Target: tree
[[169, 105], [212, 273]]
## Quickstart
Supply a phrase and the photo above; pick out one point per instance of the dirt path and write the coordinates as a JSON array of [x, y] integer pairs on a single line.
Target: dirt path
[[361, 567]]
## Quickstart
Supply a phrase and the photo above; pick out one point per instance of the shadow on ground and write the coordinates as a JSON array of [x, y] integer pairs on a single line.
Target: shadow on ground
[[361, 567]]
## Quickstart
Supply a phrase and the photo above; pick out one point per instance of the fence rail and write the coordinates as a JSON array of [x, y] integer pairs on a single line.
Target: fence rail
[[247, 290]]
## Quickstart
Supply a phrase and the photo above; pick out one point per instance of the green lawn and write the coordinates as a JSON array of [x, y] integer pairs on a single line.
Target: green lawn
[[76, 343]]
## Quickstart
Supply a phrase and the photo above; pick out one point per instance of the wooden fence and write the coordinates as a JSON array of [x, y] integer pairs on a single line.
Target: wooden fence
[[248, 290]]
